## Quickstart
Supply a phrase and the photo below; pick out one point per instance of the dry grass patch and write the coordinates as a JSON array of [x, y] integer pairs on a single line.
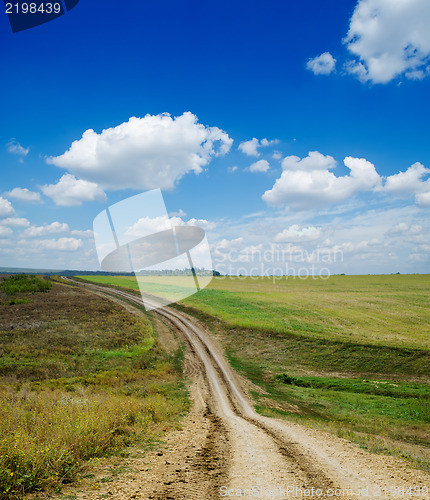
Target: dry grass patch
[[80, 378]]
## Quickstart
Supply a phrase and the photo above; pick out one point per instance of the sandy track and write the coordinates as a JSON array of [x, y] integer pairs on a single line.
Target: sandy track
[[237, 453]]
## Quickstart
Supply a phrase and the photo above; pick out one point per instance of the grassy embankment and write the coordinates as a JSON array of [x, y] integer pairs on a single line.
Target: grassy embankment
[[80, 378], [349, 354]]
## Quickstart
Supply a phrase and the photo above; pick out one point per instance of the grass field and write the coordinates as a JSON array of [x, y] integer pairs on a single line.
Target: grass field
[[80, 378], [350, 353]]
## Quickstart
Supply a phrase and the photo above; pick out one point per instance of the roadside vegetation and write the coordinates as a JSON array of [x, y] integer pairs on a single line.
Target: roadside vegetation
[[16, 287], [80, 379], [349, 354]]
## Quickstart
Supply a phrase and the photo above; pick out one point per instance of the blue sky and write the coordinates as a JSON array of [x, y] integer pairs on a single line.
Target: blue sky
[[243, 113]]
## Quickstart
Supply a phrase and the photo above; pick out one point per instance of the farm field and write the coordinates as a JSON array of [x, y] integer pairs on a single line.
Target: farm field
[[349, 354], [81, 378]]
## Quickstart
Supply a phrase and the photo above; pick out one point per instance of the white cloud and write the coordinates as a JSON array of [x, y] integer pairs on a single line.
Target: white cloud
[[260, 166], [423, 199], [23, 194], [144, 153], [322, 65], [410, 182], [265, 142], [253, 249], [390, 38], [233, 169], [179, 213], [405, 228], [15, 148], [15, 222], [5, 232], [54, 228], [83, 234], [308, 183], [250, 148], [62, 244], [295, 233], [277, 155], [71, 191], [5, 207], [419, 257], [226, 244], [203, 223], [151, 225]]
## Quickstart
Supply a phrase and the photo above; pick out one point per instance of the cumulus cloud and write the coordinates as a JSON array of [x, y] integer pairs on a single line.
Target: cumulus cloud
[[322, 65], [6, 208], [150, 225], [309, 183], [144, 153], [15, 222], [260, 166], [23, 194], [233, 169], [70, 191], [295, 233], [225, 244], [62, 244], [203, 223], [250, 148], [389, 38], [54, 228], [15, 148], [423, 199], [409, 183]]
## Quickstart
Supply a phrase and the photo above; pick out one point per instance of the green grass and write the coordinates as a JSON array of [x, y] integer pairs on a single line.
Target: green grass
[[122, 281], [80, 378], [380, 310], [353, 351]]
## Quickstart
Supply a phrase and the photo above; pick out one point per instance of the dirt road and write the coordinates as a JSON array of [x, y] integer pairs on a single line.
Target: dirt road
[[227, 450]]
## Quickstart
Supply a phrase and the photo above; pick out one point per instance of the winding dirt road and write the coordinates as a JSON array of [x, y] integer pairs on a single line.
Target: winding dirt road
[[227, 450]]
